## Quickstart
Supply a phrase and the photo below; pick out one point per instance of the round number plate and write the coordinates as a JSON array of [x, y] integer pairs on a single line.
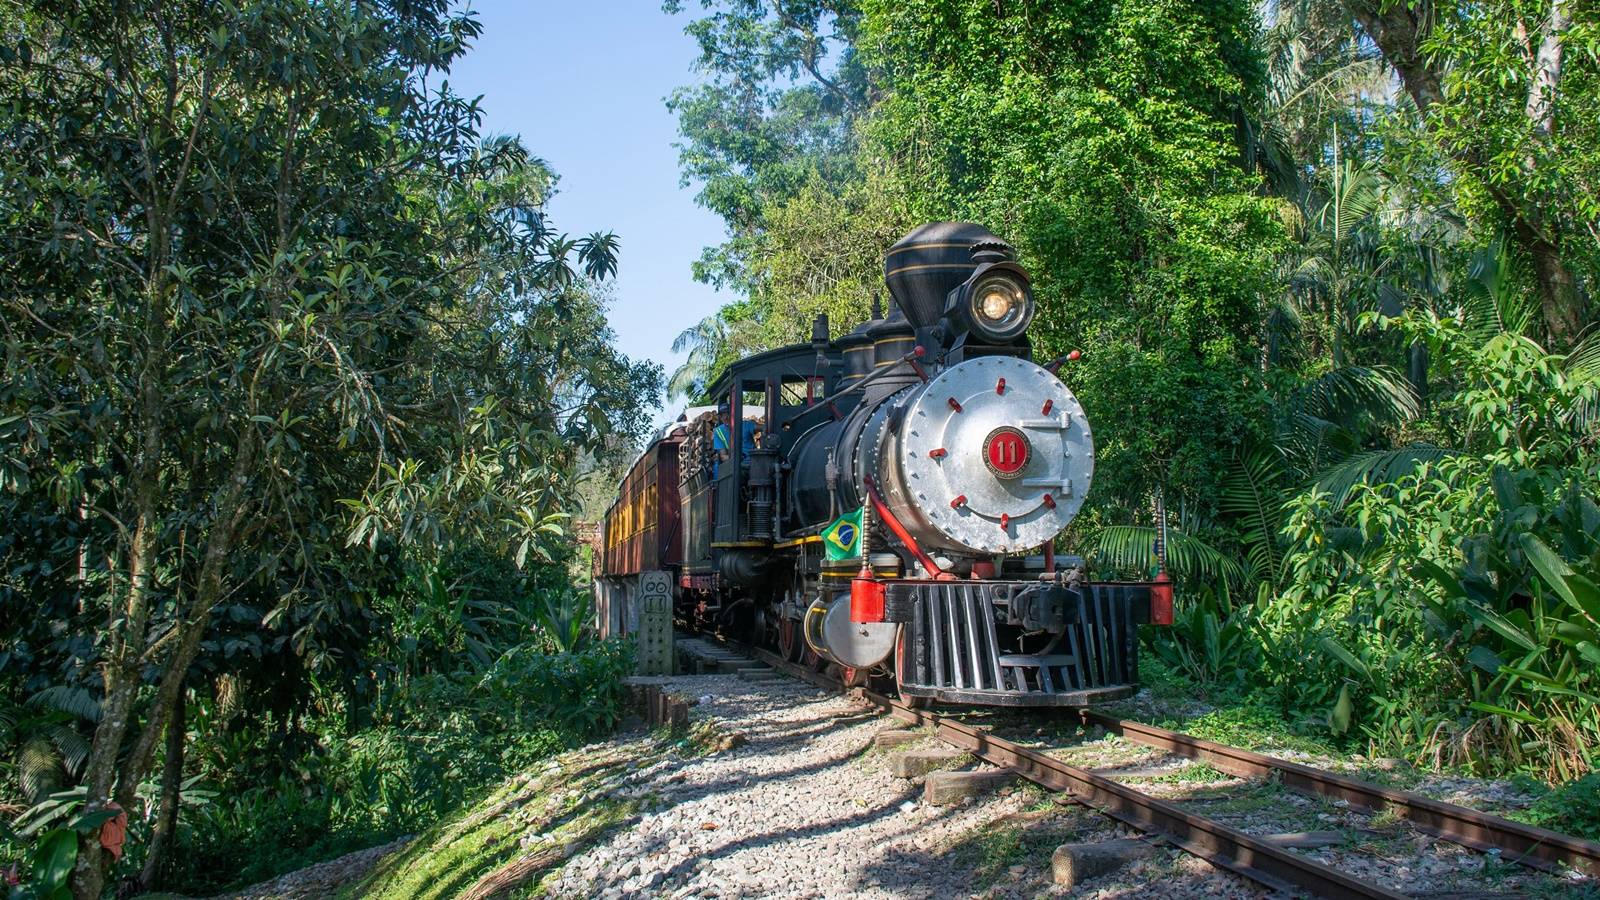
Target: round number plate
[[1005, 452]]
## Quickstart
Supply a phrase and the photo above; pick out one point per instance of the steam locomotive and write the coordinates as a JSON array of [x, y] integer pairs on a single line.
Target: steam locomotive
[[887, 502]]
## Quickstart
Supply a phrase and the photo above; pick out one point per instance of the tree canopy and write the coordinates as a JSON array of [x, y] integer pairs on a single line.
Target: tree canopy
[[1327, 263], [277, 319]]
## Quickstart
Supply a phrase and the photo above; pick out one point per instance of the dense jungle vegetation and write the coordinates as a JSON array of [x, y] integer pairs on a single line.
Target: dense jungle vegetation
[[297, 376], [1331, 266]]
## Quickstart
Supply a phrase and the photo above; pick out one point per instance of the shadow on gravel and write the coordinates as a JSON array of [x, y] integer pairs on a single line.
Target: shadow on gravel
[[679, 794], [778, 836]]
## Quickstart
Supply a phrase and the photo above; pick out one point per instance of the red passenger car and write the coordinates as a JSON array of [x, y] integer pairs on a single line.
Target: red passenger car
[[640, 531]]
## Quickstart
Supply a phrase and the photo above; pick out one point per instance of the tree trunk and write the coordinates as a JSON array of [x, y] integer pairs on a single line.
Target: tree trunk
[[1558, 290], [231, 505], [1417, 370], [171, 796], [1399, 30], [125, 647]]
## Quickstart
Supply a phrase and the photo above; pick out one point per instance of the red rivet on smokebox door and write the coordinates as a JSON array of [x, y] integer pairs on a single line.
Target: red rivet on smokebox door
[[955, 404], [1047, 405], [1005, 522], [1049, 501], [959, 501], [939, 453], [1000, 388]]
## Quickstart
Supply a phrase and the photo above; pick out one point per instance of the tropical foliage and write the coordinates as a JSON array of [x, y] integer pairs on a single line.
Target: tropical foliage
[[1330, 265], [298, 376]]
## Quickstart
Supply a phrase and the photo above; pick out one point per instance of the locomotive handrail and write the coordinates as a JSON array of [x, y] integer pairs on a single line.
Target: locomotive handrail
[[901, 533], [916, 353]]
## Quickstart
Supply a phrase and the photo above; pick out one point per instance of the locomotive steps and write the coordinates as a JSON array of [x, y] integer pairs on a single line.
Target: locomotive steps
[[701, 657]]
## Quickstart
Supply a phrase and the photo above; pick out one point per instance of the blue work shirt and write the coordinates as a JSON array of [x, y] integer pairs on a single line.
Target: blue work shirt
[[747, 438], [719, 443]]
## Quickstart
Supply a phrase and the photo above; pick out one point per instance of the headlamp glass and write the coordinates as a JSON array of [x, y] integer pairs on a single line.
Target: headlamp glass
[[1000, 306], [995, 303]]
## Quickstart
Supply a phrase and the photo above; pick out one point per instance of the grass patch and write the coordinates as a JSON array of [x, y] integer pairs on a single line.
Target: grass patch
[[702, 739], [1252, 728], [1195, 772], [1572, 808], [1268, 795], [524, 830], [1025, 838]]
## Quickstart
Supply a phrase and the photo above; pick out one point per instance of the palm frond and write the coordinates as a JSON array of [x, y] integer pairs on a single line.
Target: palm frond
[[1584, 360], [39, 769], [705, 332], [1582, 366], [1190, 560], [1312, 440], [1493, 304], [1252, 491], [72, 700], [1356, 195], [1376, 467], [1352, 396], [72, 746]]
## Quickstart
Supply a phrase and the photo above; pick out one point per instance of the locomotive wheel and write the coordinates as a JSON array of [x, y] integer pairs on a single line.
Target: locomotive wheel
[[788, 636], [810, 659], [851, 677]]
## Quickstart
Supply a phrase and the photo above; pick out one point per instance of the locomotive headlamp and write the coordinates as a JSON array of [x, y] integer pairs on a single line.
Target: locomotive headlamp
[[999, 303], [996, 303]]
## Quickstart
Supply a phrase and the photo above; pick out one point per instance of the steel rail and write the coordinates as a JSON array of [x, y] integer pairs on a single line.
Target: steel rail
[[1212, 841], [1482, 831]]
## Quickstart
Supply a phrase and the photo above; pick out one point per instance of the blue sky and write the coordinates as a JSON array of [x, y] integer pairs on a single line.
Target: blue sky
[[584, 83]]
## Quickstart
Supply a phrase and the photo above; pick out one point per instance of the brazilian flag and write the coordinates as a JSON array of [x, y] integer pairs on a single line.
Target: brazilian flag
[[842, 537]]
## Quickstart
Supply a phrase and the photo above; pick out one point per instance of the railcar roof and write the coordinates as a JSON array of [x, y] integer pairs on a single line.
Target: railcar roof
[[774, 359]]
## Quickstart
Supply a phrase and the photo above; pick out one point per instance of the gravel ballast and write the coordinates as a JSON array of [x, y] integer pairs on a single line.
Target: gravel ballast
[[799, 805]]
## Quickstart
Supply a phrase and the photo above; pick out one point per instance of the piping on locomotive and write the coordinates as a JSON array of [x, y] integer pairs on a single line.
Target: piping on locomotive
[[887, 502]]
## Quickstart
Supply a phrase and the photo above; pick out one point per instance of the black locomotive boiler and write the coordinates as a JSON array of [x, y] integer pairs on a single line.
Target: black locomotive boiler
[[886, 502]]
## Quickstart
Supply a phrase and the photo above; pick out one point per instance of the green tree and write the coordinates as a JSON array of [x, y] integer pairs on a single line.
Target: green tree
[[784, 89], [1072, 130], [1504, 92], [257, 263]]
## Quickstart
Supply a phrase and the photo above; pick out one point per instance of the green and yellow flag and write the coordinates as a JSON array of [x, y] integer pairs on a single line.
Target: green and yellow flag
[[842, 537]]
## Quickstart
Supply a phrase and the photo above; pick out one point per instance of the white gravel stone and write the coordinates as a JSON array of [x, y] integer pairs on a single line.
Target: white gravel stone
[[798, 811]]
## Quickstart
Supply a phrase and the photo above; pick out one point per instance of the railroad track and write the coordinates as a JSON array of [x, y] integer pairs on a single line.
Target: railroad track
[[1250, 856]]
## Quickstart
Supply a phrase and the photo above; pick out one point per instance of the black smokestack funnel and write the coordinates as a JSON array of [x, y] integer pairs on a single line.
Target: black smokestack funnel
[[930, 262]]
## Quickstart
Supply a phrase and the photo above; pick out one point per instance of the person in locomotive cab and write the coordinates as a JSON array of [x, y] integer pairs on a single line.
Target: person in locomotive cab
[[719, 440], [722, 437]]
